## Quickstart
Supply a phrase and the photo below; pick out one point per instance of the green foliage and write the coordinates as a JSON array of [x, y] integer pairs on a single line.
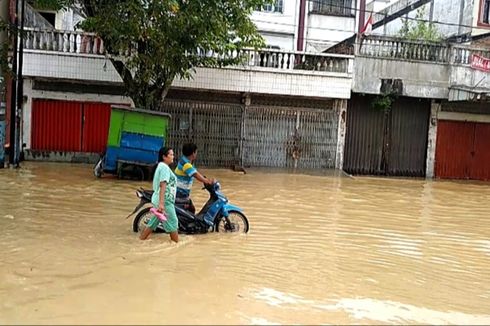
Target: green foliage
[[50, 4], [419, 29], [152, 42], [383, 102]]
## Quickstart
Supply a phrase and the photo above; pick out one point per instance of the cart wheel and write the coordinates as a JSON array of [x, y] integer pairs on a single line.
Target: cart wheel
[[120, 171], [139, 172], [131, 171]]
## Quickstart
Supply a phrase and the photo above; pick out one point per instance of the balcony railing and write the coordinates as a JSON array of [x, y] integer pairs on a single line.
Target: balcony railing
[[63, 41], [461, 55], [395, 48], [89, 43], [387, 47], [289, 60]]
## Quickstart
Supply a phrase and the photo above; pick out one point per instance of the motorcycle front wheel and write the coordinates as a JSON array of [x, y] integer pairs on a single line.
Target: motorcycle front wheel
[[142, 219], [235, 222]]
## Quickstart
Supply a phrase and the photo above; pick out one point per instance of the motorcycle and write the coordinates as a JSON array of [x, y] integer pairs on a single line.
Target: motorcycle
[[217, 215]]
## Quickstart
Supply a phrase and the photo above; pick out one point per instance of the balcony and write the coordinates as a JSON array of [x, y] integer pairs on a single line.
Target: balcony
[[421, 68], [426, 70], [81, 56], [467, 83]]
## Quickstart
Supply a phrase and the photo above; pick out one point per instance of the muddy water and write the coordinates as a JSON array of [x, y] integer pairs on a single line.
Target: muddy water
[[322, 249]]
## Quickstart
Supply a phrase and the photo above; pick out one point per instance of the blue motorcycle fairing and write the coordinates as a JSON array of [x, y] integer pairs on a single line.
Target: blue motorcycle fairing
[[229, 207], [221, 196]]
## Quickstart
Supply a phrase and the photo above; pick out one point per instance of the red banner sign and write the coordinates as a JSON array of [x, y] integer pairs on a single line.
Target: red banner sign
[[480, 63]]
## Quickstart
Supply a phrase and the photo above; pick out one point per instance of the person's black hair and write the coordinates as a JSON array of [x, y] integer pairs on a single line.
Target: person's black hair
[[189, 149], [163, 152]]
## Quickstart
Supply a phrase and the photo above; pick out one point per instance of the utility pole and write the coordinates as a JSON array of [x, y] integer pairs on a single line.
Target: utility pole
[[13, 99], [4, 20], [20, 85]]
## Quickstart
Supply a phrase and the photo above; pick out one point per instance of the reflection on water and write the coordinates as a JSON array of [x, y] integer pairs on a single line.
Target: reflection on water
[[324, 249]]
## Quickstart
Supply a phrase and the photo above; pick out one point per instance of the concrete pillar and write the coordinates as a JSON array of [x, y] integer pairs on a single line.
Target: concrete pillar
[[26, 114], [461, 16], [340, 107], [431, 141], [300, 45]]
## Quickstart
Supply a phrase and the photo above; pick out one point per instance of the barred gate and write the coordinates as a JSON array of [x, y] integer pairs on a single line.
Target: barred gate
[[213, 127], [290, 137], [258, 136]]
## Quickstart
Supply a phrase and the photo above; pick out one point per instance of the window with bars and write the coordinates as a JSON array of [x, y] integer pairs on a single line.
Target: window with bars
[[485, 16], [276, 6], [333, 7]]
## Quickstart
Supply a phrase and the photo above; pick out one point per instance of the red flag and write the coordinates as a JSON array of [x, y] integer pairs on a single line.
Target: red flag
[[368, 27]]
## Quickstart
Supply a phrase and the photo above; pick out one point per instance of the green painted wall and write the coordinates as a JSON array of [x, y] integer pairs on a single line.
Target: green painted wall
[[135, 122]]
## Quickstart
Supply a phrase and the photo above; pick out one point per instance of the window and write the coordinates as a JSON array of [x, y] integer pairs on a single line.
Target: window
[[333, 7], [49, 16], [277, 6], [485, 14]]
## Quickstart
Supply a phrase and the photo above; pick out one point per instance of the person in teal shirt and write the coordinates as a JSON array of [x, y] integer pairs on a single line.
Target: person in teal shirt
[[163, 198]]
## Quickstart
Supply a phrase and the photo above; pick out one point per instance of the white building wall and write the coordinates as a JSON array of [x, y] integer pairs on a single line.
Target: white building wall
[[265, 81], [249, 79], [446, 16], [279, 40], [69, 66], [324, 31], [279, 29]]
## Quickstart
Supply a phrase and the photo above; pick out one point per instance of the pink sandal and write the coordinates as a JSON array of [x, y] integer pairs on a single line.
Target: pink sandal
[[158, 214]]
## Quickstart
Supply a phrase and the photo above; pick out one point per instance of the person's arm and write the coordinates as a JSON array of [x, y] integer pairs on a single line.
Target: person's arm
[[161, 200], [203, 179]]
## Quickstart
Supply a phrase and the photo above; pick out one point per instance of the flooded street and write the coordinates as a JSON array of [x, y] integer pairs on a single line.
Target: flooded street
[[321, 249]]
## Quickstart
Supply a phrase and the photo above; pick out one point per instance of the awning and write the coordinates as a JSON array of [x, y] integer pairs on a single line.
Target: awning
[[318, 46], [462, 93]]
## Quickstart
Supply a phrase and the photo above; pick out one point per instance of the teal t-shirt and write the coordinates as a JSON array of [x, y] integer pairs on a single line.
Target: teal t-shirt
[[164, 174]]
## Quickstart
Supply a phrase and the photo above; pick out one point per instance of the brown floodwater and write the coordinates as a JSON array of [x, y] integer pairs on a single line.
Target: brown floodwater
[[326, 249]]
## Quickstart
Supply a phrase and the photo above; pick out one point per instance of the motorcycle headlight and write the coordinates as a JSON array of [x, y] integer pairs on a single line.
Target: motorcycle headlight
[[217, 186], [139, 194]]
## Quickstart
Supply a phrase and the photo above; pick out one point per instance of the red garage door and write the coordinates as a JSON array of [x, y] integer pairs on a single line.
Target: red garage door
[[96, 118], [68, 126], [463, 150], [56, 126]]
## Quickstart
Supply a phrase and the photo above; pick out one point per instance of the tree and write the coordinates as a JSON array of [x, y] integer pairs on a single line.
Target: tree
[[419, 29], [151, 42]]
